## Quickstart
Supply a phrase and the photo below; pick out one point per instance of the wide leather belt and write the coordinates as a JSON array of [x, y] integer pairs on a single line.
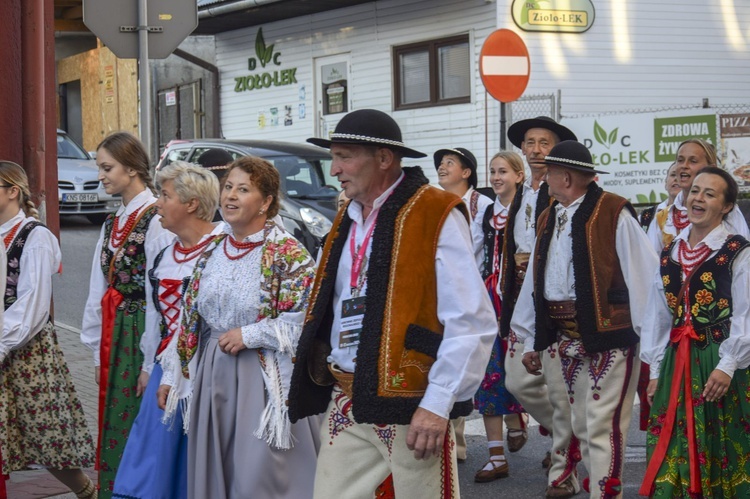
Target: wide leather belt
[[345, 380], [563, 315], [522, 264]]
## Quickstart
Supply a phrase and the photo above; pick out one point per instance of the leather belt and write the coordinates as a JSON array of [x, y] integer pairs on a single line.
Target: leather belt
[[344, 379], [563, 315], [522, 264]]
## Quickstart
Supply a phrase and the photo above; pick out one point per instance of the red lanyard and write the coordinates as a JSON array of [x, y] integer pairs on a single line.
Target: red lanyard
[[358, 256]]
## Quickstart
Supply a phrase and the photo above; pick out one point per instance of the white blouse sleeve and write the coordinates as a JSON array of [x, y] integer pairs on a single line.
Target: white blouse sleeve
[[91, 330], [157, 238], [656, 325], [736, 223], [734, 352], [655, 235]]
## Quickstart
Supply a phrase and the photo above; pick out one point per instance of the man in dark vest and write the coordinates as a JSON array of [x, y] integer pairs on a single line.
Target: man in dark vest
[[535, 137], [584, 291], [399, 327]]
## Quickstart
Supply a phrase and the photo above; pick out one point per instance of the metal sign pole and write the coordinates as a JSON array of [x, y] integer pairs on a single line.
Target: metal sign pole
[[503, 132], [144, 75]]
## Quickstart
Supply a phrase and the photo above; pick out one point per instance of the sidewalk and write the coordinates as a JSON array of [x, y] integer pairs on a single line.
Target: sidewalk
[[39, 483]]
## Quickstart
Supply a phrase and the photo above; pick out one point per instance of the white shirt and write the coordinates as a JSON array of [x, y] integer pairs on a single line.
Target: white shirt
[[734, 220], [477, 234], [524, 230], [637, 261], [40, 260], [734, 352], [157, 238], [464, 309]]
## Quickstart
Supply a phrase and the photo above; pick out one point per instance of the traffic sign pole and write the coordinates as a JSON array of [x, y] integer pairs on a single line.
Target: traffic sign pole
[[144, 75]]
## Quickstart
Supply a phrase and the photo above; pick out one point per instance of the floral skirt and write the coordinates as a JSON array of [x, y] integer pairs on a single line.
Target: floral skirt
[[492, 398], [722, 431], [41, 417]]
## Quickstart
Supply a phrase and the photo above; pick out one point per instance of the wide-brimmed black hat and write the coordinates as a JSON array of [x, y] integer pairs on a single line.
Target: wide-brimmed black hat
[[572, 154], [518, 130], [467, 159], [368, 127]]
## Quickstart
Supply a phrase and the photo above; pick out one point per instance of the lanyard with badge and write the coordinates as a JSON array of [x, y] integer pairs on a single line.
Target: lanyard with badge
[[353, 309]]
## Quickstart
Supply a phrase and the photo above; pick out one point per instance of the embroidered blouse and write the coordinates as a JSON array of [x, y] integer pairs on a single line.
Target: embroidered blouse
[[477, 234]]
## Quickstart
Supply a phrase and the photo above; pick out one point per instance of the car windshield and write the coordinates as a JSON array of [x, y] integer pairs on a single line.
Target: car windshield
[[303, 177], [68, 149]]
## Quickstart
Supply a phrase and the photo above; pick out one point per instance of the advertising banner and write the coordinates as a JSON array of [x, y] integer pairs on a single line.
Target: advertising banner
[[637, 149], [735, 146]]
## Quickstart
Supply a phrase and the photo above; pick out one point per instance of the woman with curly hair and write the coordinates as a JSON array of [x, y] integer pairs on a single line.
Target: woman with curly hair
[[696, 339], [242, 317]]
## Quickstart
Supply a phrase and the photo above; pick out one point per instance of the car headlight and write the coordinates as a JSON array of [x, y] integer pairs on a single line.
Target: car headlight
[[316, 222]]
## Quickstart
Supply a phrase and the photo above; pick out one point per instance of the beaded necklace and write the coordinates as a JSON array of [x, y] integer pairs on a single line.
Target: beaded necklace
[[10, 235], [247, 246], [691, 258], [679, 219], [118, 235], [188, 253]]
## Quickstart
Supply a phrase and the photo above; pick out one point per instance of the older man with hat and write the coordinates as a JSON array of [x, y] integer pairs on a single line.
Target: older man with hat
[[396, 335], [535, 137], [584, 291]]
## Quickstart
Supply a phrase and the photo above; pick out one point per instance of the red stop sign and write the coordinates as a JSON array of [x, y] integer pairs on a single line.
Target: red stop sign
[[504, 65]]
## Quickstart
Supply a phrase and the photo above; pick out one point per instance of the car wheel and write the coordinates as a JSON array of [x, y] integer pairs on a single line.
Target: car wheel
[[97, 218]]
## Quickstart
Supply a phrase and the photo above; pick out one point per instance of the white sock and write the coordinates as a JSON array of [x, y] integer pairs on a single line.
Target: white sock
[[496, 460]]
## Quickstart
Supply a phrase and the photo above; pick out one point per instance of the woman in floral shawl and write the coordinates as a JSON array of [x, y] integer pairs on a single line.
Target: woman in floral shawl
[[243, 313], [696, 339]]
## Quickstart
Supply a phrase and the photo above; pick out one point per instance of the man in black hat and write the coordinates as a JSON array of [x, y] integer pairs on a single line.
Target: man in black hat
[[397, 335], [584, 291], [535, 137]]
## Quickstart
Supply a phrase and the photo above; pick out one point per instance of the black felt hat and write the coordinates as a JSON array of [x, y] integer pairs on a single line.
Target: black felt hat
[[368, 127], [467, 159], [518, 130], [572, 154], [215, 159]]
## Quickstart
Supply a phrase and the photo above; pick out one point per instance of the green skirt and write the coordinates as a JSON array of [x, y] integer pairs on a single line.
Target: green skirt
[[722, 431], [121, 405]]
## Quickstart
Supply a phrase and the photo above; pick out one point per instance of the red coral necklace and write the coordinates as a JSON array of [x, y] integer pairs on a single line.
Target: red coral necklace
[[679, 219], [188, 253], [118, 235], [10, 235], [691, 258], [246, 246]]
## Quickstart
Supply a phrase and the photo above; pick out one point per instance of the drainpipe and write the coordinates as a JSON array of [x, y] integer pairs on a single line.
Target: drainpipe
[[215, 97], [230, 8]]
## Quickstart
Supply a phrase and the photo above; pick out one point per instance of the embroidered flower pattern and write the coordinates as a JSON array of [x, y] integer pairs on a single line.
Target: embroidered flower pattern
[[397, 380], [704, 297], [671, 300], [707, 277], [705, 306], [723, 303], [665, 280]]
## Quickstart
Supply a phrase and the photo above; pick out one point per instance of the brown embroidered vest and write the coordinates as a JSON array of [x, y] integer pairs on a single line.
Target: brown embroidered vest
[[602, 300], [401, 332]]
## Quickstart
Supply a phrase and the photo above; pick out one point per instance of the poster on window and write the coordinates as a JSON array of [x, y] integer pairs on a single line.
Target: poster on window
[[735, 146], [334, 82]]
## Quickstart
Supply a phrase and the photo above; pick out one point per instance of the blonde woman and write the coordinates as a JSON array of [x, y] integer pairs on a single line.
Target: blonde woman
[[492, 399], [36, 390]]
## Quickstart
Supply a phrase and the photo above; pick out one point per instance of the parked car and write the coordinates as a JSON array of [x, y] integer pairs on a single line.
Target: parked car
[[308, 201], [78, 188]]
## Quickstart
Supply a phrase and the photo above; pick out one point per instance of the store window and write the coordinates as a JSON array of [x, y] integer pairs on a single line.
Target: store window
[[432, 73]]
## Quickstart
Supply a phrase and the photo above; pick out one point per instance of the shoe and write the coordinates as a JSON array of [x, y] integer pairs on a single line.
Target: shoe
[[497, 471], [547, 461], [516, 439], [562, 491]]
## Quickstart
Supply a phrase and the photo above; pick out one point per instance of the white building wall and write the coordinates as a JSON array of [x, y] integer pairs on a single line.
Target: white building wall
[[367, 32]]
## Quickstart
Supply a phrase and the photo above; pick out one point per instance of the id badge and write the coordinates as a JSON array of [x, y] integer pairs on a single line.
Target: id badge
[[352, 314]]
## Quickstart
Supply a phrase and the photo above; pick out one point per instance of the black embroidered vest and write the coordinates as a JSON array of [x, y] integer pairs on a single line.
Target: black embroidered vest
[[709, 291], [646, 217], [489, 241], [14, 253], [508, 288]]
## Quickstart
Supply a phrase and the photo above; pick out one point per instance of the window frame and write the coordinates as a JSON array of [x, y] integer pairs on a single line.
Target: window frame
[[432, 47]]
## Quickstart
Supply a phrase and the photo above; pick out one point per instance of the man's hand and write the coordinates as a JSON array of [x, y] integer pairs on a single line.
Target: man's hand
[[142, 383], [426, 434], [533, 363], [161, 396], [231, 342], [651, 390], [97, 371], [716, 386]]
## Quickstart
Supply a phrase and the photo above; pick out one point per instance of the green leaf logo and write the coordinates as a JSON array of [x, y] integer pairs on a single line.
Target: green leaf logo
[[264, 53], [604, 138]]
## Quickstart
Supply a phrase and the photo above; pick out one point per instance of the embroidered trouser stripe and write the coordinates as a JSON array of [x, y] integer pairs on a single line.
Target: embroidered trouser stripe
[[355, 458]]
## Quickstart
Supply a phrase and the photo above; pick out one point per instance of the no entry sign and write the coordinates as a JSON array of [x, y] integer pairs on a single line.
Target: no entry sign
[[504, 65]]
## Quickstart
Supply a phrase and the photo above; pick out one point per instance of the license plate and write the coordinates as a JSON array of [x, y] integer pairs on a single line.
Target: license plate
[[80, 198]]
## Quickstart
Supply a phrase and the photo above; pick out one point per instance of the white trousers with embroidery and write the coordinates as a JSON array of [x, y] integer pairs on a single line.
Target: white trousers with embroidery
[[355, 458]]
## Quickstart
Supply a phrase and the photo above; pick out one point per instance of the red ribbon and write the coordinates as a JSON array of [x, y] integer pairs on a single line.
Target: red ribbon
[[3, 492], [172, 308], [110, 301], [680, 336], [491, 284]]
